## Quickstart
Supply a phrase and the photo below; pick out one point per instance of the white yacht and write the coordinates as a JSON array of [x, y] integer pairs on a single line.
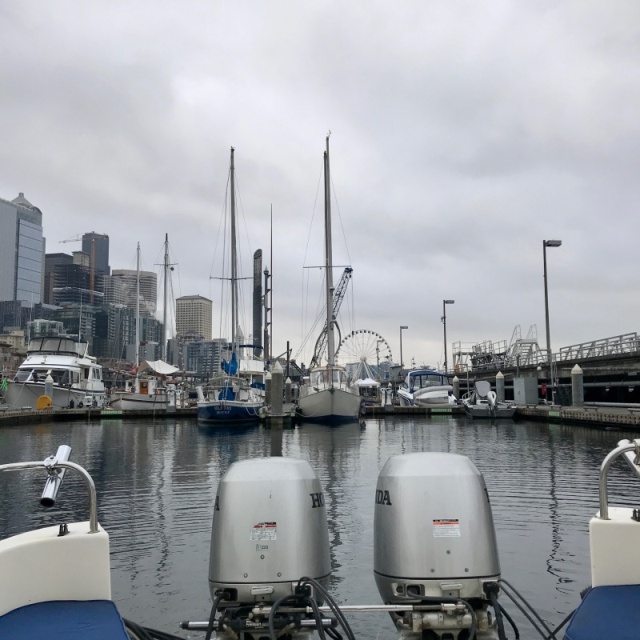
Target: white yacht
[[61, 365], [425, 387]]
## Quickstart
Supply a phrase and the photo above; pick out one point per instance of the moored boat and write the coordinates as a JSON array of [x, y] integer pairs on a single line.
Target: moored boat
[[425, 388], [238, 394], [327, 395], [62, 366], [148, 390], [482, 402]]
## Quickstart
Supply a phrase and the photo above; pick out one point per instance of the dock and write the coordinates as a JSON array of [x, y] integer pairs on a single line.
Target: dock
[[594, 415]]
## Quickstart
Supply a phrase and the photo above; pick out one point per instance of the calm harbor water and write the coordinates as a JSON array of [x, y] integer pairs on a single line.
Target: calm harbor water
[[156, 485]]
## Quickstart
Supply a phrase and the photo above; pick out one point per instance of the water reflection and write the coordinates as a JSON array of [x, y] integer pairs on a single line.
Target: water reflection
[[156, 486]]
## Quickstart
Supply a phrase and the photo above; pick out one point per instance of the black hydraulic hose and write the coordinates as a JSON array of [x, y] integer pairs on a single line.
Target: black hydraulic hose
[[493, 597], [278, 603], [332, 605], [511, 622], [553, 635], [334, 634], [526, 613], [212, 615], [138, 632], [317, 616]]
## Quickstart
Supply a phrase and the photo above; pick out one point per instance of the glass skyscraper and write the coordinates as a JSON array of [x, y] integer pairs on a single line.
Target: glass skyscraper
[[21, 251]]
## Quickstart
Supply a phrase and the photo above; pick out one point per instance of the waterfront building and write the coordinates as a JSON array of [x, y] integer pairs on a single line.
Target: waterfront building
[[22, 248], [194, 317]]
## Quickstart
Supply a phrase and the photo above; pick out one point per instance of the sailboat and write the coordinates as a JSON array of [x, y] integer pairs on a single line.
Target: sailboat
[[328, 396], [236, 394], [148, 390]]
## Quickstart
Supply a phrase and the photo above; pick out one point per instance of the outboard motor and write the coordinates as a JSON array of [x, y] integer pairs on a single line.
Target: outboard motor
[[435, 545], [269, 530]]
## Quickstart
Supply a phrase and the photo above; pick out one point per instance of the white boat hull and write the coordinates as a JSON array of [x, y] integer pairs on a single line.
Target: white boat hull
[[484, 410], [130, 401], [22, 395], [425, 397], [330, 405]]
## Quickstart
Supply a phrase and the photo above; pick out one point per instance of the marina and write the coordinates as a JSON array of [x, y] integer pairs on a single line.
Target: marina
[[156, 483]]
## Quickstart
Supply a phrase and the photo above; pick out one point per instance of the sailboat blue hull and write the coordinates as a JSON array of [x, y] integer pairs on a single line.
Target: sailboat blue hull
[[229, 411]]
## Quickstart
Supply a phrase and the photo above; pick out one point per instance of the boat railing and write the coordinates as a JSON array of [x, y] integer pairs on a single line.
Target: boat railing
[[55, 466], [630, 450]]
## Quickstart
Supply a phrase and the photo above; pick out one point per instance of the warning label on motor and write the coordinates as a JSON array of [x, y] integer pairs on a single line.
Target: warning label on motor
[[264, 531], [446, 528]]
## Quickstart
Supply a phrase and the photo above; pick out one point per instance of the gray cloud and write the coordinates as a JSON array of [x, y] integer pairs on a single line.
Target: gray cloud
[[462, 136]]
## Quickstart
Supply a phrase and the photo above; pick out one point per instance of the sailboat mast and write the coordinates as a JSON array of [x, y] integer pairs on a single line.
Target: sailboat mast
[[163, 355], [234, 257], [138, 305], [328, 258]]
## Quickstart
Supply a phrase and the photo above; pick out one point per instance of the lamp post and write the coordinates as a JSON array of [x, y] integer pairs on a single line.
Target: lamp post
[[444, 322], [545, 244], [401, 362]]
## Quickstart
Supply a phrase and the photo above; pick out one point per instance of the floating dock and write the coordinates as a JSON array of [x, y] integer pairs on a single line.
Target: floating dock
[[596, 415]]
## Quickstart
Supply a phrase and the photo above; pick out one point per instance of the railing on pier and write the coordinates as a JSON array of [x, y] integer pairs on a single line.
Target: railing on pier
[[525, 352], [625, 343]]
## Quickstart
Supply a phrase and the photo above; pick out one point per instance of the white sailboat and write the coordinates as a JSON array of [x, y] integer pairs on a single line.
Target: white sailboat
[[237, 393], [328, 396], [148, 390]]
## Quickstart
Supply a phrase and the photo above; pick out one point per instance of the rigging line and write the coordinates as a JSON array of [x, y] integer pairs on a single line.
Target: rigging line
[[313, 215], [344, 236]]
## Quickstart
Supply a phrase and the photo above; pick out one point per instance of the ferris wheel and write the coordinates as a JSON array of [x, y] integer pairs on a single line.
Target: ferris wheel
[[365, 348]]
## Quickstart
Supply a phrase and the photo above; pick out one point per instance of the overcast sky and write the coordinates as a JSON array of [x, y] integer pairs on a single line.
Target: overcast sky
[[463, 134]]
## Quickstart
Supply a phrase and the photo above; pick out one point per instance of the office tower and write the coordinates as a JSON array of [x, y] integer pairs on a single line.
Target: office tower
[[148, 290], [21, 251], [96, 245], [193, 316]]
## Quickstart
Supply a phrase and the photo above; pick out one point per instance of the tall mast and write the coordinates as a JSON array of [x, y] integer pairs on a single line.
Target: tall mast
[[163, 355], [234, 258], [138, 305], [328, 258]]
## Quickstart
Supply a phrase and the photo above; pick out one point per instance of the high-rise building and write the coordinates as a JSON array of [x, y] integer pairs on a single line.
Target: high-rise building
[[21, 251], [96, 245], [194, 316], [53, 263], [148, 289]]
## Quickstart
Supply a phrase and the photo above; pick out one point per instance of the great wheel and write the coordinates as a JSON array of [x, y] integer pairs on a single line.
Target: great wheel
[[364, 353]]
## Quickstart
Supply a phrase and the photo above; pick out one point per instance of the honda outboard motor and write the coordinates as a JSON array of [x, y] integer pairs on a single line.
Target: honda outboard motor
[[269, 530], [435, 545]]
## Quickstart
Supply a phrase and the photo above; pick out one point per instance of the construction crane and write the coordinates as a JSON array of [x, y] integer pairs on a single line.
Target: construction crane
[[338, 296], [92, 258]]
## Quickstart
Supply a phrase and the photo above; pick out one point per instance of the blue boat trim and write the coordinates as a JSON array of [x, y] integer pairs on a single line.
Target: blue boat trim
[[607, 612], [64, 620]]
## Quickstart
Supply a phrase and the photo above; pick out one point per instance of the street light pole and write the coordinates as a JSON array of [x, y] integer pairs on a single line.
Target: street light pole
[[401, 362], [444, 322], [545, 244]]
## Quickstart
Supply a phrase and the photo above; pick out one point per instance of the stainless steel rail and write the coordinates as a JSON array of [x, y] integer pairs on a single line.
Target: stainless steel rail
[[631, 451], [55, 466]]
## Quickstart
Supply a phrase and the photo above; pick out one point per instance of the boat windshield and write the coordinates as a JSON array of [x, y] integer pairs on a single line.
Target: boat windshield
[[424, 380], [56, 344]]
